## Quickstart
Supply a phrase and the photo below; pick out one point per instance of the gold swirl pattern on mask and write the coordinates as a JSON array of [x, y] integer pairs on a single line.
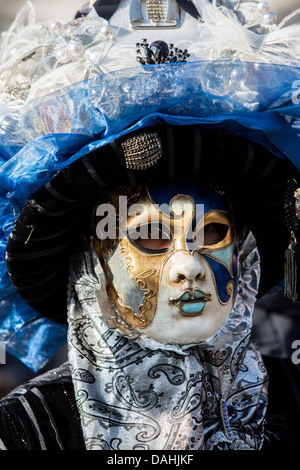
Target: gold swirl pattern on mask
[[147, 309]]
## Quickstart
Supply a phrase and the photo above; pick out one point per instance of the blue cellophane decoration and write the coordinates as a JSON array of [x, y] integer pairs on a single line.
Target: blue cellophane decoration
[[251, 100]]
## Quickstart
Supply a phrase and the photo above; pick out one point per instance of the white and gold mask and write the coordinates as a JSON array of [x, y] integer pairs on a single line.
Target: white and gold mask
[[172, 273]]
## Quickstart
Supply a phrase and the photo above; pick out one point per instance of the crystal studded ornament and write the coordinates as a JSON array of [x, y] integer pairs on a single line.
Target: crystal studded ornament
[[160, 50]]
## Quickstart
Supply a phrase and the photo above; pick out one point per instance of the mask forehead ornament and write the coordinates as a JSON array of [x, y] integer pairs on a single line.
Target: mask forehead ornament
[[175, 257]]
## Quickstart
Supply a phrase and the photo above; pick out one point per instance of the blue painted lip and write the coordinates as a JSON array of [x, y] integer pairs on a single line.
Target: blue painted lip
[[193, 302], [192, 308]]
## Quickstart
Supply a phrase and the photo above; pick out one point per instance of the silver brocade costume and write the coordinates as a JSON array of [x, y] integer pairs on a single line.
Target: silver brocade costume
[[134, 395]]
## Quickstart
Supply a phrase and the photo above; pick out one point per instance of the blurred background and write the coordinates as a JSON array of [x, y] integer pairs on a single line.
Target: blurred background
[[45, 10], [277, 321]]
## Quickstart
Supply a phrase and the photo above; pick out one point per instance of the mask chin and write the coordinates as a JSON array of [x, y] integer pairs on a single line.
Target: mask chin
[[189, 311]]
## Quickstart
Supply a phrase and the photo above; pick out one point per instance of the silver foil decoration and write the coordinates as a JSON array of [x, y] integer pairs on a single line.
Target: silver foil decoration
[[136, 394]]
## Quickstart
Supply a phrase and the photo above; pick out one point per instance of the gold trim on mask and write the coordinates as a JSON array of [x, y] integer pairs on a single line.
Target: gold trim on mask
[[145, 266], [146, 279], [217, 217]]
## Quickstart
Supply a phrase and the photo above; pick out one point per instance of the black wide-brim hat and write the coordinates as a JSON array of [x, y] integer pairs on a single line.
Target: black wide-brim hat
[[54, 221], [74, 93]]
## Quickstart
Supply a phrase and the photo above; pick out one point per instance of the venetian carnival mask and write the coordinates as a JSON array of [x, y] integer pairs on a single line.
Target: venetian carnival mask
[[171, 269]]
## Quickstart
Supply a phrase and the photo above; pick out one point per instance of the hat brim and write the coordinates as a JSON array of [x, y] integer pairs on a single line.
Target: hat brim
[[53, 223], [80, 123]]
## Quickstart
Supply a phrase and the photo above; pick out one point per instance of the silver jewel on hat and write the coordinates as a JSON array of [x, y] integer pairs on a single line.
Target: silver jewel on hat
[[142, 151]]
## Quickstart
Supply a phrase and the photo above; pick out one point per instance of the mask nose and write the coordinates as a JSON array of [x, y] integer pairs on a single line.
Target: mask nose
[[186, 267]]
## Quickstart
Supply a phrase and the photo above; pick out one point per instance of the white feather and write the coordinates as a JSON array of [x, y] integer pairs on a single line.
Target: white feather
[[221, 31]]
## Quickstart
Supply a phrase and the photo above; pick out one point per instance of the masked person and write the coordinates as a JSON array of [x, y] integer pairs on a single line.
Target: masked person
[[155, 203]]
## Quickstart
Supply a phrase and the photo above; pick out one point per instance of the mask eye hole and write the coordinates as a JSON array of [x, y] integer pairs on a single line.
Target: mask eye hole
[[214, 233], [151, 238]]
